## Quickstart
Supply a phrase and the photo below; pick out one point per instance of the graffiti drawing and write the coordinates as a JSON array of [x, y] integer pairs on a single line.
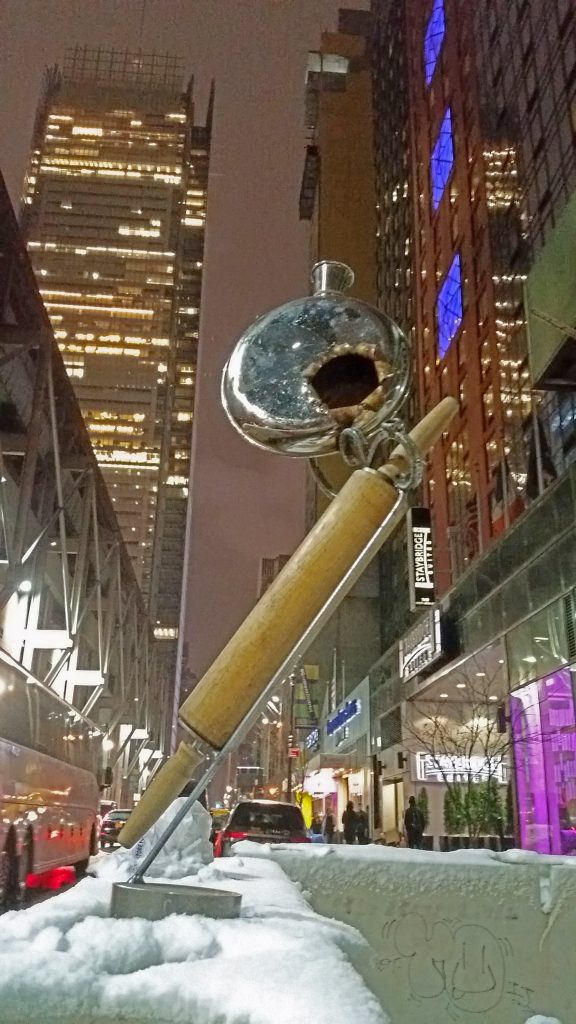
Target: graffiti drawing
[[464, 963]]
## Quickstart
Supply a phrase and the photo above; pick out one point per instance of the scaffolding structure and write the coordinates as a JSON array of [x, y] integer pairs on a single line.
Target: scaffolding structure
[[123, 67], [71, 611]]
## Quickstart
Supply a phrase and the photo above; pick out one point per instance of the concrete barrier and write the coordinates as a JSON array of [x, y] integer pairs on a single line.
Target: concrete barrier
[[455, 938]]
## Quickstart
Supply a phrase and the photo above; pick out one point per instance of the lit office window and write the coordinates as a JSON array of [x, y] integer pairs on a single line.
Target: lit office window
[[449, 309], [433, 39], [442, 160]]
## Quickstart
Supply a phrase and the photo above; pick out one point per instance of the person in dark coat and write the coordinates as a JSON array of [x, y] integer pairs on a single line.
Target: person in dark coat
[[362, 828], [414, 825], [328, 827], [350, 823]]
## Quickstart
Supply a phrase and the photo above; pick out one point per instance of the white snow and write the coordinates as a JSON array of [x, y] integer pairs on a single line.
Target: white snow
[[278, 963], [543, 1020], [513, 912], [404, 856], [187, 850], [66, 960]]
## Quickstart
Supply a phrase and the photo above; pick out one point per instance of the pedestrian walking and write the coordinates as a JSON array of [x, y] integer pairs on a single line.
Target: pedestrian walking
[[414, 825], [328, 827], [350, 823], [363, 827]]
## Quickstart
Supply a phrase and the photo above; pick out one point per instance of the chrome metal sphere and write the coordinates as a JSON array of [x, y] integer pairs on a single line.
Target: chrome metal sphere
[[306, 370]]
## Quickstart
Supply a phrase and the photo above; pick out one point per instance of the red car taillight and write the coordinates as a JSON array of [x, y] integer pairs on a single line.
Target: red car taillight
[[226, 835]]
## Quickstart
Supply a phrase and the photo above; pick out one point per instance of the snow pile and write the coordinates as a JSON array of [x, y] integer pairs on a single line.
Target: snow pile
[[501, 926], [67, 960], [543, 1020], [400, 855], [187, 850]]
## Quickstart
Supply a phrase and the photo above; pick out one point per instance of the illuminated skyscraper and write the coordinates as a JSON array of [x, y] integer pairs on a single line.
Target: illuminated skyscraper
[[114, 216], [338, 199]]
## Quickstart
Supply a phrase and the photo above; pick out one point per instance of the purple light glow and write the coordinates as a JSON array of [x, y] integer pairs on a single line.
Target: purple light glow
[[544, 735], [442, 160], [449, 306], [433, 39]]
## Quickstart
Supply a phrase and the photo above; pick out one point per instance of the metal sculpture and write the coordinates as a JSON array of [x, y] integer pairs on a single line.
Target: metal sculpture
[[313, 377]]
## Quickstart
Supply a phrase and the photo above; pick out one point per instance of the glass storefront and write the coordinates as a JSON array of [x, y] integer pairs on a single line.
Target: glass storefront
[[543, 723], [393, 804], [539, 645]]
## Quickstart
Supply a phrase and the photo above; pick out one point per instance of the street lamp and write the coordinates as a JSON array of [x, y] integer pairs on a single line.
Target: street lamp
[[290, 739]]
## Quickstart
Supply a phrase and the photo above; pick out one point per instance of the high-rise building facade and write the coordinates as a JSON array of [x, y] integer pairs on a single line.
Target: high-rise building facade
[[393, 164], [337, 194], [468, 285], [527, 65], [394, 168], [491, 90], [474, 142], [338, 198], [114, 215], [475, 157]]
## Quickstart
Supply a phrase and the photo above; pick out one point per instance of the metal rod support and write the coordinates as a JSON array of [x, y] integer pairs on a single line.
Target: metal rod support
[[170, 829], [396, 514]]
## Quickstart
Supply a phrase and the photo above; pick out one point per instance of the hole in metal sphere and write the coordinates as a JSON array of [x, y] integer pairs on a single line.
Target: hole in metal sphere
[[345, 380]]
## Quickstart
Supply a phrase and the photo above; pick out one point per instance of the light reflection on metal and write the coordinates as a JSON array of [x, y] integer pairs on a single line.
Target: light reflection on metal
[[313, 367]]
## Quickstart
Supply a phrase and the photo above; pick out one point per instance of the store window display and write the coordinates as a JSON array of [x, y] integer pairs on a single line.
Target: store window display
[[543, 722]]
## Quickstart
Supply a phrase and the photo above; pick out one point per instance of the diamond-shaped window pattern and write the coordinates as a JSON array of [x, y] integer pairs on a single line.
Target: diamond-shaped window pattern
[[449, 307], [442, 160], [433, 39]]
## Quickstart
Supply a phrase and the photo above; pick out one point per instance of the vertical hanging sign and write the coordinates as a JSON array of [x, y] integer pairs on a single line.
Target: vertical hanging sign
[[420, 558]]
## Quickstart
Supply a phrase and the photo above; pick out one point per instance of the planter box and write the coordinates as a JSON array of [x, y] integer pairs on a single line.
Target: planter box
[[486, 912]]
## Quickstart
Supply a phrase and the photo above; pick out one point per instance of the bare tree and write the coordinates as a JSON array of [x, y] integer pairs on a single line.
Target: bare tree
[[467, 744]]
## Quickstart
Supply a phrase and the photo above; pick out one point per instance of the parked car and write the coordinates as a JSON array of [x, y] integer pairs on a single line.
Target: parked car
[[112, 825], [261, 821], [105, 807], [219, 818]]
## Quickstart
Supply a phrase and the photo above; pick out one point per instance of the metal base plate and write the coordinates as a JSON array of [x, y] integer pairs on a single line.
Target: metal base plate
[[156, 900]]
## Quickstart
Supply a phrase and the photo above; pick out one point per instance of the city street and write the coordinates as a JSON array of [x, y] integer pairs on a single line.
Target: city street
[[288, 511], [51, 884]]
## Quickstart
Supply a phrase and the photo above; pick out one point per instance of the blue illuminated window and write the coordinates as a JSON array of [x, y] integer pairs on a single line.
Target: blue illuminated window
[[449, 309], [442, 160], [433, 39]]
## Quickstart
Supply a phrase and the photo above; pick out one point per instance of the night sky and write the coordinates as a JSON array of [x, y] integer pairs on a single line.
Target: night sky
[[245, 504]]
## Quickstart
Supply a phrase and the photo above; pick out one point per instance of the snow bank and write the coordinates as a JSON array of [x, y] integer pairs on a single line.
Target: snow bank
[[465, 934], [66, 960], [543, 1020], [187, 850], [404, 857], [445, 937]]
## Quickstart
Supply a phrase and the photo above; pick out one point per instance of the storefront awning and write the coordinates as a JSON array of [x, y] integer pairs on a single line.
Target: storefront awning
[[337, 762]]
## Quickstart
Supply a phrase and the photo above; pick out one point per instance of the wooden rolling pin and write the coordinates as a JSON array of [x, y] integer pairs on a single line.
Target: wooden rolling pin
[[236, 680]]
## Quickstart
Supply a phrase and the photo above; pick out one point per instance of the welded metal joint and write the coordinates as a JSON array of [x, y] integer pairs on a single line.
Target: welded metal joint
[[362, 452]]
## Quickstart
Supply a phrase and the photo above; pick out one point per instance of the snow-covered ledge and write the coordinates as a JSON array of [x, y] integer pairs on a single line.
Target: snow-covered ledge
[[446, 938], [67, 961], [460, 937]]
